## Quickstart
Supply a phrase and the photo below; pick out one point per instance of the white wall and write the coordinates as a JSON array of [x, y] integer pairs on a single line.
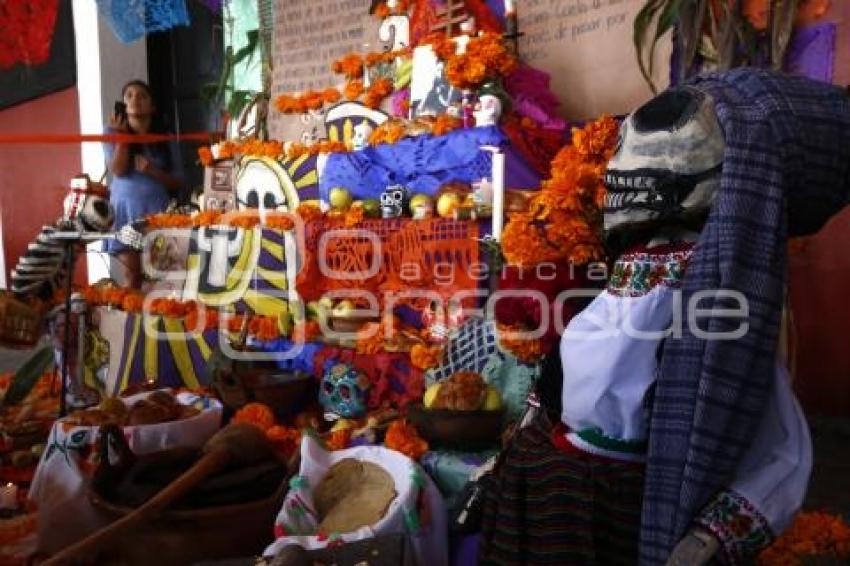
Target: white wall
[[104, 65]]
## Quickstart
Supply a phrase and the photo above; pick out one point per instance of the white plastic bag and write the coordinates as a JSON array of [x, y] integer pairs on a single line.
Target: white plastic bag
[[70, 457]]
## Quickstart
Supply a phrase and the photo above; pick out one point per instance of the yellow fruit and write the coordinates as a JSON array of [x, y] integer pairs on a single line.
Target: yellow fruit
[[340, 199], [493, 401], [422, 201], [447, 203], [430, 395]]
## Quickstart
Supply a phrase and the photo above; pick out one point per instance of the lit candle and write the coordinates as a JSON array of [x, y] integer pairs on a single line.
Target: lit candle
[[9, 496], [498, 174], [510, 7]]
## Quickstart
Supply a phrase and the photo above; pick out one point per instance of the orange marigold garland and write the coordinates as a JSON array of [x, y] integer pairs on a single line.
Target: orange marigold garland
[[403, 437], [350, 65], [814, 534], [257, 414], [563, 220], [425, 357], [529, 350], [486, 58]]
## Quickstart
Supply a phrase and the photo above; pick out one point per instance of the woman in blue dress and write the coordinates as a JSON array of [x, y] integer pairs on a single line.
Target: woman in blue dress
[[145, 176]]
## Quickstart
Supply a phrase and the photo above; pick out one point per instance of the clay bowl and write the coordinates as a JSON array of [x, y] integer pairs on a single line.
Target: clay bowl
[[180, 537], [458, 430]]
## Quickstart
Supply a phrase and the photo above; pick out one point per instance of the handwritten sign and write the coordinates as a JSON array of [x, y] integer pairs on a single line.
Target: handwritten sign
[[309, 36], [586, 45]]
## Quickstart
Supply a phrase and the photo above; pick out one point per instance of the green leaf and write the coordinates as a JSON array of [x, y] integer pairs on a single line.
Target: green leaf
[[248, 49], [669, 16], [641, 26], [28, 375]]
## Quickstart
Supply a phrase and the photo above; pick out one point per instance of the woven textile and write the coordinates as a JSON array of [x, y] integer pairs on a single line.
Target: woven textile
[[548, 506], [132, 19], [785, 172]]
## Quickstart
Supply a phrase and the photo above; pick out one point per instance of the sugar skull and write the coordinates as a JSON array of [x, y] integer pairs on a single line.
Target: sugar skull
[[394, 201], [668, 162], [344, 390], [360, 137]]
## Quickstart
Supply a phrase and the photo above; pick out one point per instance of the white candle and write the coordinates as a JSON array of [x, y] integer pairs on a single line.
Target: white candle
[[9, 496], [510, 8], [498, 174]]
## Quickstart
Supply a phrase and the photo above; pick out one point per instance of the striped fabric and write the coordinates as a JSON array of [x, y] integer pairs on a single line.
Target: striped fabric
[[785, 172], [550, 506]]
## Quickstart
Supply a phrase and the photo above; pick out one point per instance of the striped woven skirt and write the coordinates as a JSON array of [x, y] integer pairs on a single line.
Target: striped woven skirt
[[545, 505]]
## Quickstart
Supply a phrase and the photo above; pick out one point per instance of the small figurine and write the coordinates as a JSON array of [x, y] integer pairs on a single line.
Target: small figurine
[[488, 111], [360, 139], [344, 391], [394, 201]]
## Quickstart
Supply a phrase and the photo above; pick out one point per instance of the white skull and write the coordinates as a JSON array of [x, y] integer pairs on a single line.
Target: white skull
[[488, 111], [394, 201], [360, 138], [667, 165], [85, 209]]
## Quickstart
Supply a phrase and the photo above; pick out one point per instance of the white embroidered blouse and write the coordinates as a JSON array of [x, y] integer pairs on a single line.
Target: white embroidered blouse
[[610, 354]]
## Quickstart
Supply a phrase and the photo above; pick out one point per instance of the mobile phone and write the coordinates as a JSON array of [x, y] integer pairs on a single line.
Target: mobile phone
[[120, 109]]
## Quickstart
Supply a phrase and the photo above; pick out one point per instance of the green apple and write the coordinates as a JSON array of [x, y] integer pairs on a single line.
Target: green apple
[[372, 208]]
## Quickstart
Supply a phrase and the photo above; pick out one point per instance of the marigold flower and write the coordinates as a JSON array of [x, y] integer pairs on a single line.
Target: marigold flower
[[256, 414], [403, 437], [205, 156]]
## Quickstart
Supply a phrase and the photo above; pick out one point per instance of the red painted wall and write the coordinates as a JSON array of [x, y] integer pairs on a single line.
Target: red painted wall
[[819, 272], [33, 178]]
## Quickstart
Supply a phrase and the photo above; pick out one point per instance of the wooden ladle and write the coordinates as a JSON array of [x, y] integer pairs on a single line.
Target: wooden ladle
[[235, 445]]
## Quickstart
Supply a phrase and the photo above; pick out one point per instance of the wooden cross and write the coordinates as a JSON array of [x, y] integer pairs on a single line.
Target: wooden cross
[[452, 14]]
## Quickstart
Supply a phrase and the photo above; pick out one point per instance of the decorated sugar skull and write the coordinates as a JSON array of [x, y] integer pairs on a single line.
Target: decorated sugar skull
[[360, 137], [667, 165], [394, 201], [86, 206], [344, 391], [488, 110]]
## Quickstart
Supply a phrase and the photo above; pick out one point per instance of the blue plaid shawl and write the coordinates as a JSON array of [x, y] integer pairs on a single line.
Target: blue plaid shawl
[[785, 172]]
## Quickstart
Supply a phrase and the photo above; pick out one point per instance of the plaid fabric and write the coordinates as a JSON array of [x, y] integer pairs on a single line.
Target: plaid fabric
[[468, 350], [545, 505], [785, 172]]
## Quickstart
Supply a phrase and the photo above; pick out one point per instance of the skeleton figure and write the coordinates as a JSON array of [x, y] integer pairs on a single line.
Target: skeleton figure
[[360, 139], [344, 391], [86, 208], [394, 201], [487, 111], [668, 161]]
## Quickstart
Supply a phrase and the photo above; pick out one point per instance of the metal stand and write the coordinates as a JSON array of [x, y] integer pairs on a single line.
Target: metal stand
[[70, 239]]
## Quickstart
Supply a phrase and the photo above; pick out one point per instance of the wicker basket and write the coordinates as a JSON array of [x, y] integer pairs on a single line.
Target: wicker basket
[[20, 324]]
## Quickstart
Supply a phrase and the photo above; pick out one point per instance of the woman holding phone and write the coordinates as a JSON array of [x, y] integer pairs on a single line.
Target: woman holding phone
[[145, 176]]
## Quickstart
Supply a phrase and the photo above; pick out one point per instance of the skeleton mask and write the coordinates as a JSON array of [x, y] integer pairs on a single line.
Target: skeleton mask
[[488, 111], [344, 391], [360, 139], [668, 162], [86, 208], [394, 201]]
